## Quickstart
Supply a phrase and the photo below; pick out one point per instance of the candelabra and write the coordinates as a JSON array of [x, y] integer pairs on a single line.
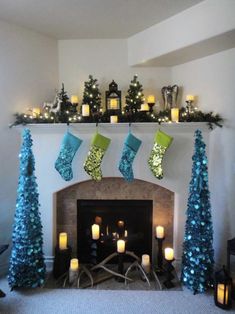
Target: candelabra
[[160, 269], [169, 276]]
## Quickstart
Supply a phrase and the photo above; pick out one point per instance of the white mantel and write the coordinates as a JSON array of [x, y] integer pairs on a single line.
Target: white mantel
[[177, 164]]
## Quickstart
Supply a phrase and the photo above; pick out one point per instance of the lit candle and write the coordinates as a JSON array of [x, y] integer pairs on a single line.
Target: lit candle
[[74, 99], [121, 246], [113, 119], [74, 264], [189, 98], [151, 99], [144, 107], [120, 223], [36, 111], [85, 110], [95, 232], [175, 114], [145, 262], [126, 234], [159, 232], [169, 254], [113, 103], [63, 240], [221, 292]]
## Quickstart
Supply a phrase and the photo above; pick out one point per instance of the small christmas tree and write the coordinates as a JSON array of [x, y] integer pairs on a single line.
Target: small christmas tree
[[91, 94], [135, 96], [198, 253], [67, 109], [27, 268]]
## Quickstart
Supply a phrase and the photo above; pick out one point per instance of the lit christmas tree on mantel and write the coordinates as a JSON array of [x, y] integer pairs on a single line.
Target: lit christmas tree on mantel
[[135, 96], [27, 267], [91, 94], [198, 253]]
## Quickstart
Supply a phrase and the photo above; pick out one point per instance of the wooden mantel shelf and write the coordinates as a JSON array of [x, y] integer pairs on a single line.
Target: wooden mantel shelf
[[143, 127]]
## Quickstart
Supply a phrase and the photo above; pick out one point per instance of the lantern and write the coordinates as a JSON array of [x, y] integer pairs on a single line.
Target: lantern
[[113, 97], [223, 288]]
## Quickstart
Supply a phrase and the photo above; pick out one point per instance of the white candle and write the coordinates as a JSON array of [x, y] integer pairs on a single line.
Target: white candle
[[126, 234], [63, 240], [151, 99], [175, 114], [85, 110], [159, 232], [113, 119], [189, 98], [95, 231], [145, 262], [221, 291], [113, 103], [121, 246], [74, 264], [74, 99], [169, 254], [144, 107]]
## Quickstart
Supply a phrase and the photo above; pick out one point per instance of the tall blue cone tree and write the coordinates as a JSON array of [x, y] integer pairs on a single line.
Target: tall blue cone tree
[[27, 267], [198, 253]]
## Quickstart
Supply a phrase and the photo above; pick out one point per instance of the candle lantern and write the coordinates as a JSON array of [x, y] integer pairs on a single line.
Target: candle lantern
[[113, 97], [223, 289]]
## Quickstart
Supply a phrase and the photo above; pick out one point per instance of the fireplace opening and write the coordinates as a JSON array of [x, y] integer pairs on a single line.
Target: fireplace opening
[[130, 220]]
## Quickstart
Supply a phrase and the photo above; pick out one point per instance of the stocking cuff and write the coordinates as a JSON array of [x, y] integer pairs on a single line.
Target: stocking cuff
[[100, 141], [72, 141], [163, 139], [133, 142]]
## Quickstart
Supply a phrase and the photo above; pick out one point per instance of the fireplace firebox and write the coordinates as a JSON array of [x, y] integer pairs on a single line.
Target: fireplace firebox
[[127, 219]]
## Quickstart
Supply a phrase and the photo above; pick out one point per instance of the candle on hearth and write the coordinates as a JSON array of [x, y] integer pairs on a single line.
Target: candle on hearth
[[95, 231], [121, 246], [113, 119], [175, 114], [144, 107], [151, 99], [74, 99], [113, 103], [120, 224], [85, 110], [221, 292], [63, 240], [159, 232], [189, 98], [74, 264], [125, 233], [145, 262], [169, 254]]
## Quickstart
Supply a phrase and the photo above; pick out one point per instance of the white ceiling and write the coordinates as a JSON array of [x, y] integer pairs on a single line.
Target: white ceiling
[[74, 19]]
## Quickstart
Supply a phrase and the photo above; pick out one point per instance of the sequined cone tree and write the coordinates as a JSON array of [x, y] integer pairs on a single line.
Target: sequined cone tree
[[91, 94], [135, 96], [198, 253], [27, 268]]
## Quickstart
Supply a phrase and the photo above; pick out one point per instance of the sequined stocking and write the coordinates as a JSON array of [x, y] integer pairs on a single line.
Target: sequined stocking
[[161, 142], [69, 147], [130, 149], [92, 165]]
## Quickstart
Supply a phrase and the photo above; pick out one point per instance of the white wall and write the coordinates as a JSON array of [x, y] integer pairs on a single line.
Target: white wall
[[212, 80], [105, 59], [28, 76]]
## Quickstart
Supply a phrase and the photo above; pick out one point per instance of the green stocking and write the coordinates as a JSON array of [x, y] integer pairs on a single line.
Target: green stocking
[[161, 142], [92, 165]]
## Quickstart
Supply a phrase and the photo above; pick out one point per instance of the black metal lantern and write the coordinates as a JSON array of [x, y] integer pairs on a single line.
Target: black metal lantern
[[223, 289], [113, 97]]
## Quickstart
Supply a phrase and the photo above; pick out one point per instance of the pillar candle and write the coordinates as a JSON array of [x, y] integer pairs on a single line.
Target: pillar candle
[[121, 246], [63, 239], [113, 119], [120, 224], [74, 99], [189, 98], [126, 234], [113, 103], [95, 231], [85, 110], [74, 264], [145, 262], [159, 232], [144, 107], [175, 114], [169, 254], [151, 99], [221, 291]]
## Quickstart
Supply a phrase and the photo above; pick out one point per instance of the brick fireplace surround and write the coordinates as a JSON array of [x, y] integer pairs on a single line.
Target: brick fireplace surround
[[114, 188]]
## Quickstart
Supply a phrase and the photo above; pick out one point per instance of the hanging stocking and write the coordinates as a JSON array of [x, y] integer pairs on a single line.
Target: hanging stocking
[[130, 149], [161, 142], [69, 147], [92, 165]]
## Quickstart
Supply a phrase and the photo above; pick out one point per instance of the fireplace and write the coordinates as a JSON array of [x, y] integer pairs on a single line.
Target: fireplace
[[130, 220]]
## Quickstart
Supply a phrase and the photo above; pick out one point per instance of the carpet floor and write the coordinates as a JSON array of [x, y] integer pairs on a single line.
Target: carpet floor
[[56, 301]]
